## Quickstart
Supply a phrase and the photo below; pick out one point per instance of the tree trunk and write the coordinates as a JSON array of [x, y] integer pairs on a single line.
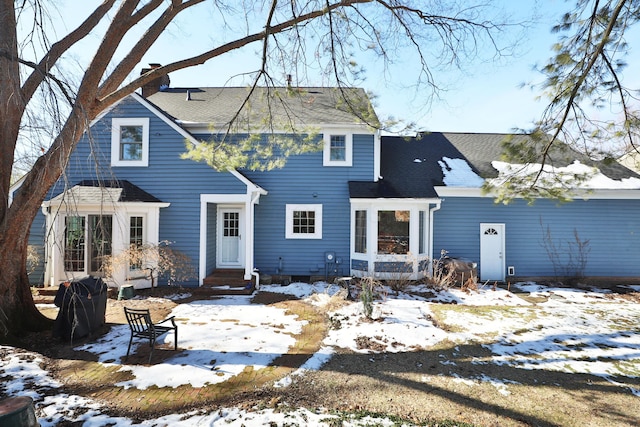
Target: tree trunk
[[18, 312]]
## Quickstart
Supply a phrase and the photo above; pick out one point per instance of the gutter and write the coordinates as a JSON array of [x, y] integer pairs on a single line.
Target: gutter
[[431, 211]]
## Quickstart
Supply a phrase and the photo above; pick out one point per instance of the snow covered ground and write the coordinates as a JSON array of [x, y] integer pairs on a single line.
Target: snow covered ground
[[576, 331]]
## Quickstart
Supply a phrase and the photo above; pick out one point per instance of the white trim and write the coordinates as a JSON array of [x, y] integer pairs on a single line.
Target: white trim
[[291, 208], [390, 201], [354, 128], [247, 204], [116, 124], [326, 151], [56, 213], [581, 194], [444, 191], [373, 206], [15, 187], [376, 156], [240, 209]]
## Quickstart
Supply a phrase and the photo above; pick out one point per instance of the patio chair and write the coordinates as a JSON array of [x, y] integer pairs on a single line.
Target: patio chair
[[142, 327]]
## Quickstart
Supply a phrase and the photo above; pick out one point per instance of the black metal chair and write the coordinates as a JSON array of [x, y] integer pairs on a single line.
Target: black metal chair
[[142, 327]]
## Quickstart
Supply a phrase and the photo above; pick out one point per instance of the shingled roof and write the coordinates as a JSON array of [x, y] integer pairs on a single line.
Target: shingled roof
[[410, 167], [96, 192], [480, 149], [290, 106]]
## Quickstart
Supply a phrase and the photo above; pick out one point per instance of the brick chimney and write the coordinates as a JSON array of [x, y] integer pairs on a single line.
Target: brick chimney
[[154, 85]]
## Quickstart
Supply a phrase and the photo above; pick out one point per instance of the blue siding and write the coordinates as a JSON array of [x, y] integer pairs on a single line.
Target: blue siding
[[612, 228], [169, 178], [181, 182], [305, 181], [36, 239]]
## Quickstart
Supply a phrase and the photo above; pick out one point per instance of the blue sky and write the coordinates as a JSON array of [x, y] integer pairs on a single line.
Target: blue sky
[[486, 96]]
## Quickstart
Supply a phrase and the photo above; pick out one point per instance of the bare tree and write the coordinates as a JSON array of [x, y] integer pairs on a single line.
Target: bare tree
[[38, 85]]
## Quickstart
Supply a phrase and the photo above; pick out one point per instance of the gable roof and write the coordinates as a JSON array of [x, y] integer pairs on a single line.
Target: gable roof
[[288, 106], [412, 166]]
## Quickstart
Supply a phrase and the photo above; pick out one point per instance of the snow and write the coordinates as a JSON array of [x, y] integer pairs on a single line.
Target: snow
[[566, 330], [589, 177], [458, 173]]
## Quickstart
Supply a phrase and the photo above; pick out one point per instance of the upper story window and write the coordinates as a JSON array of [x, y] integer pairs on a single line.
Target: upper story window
[[130, 141], [304, 222], [338, 149]]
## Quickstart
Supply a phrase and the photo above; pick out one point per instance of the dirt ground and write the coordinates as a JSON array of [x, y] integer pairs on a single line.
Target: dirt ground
[[414, 386]]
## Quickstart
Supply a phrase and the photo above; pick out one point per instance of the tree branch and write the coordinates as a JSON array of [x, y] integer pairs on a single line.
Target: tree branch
[[135, 54], [581, 79], [42, 70], [112, 97]]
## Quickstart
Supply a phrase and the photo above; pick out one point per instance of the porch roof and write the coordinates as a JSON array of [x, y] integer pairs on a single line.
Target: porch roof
[[96, 192]]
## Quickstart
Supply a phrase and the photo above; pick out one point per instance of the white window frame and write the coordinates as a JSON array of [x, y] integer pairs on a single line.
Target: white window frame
[[290, 209], [116, 124], [348, 139]]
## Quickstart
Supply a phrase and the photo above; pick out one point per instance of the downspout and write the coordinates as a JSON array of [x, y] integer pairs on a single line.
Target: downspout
[[255, 195], [431, 211]]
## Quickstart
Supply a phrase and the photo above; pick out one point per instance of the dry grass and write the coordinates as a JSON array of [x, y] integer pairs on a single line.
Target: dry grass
[[423, 386]]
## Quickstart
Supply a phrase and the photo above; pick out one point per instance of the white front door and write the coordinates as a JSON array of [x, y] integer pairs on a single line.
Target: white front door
[[492, 263], [230, 240]]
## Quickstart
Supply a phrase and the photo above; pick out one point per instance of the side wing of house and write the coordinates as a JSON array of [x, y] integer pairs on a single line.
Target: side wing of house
[[597, 238], [596, 235]]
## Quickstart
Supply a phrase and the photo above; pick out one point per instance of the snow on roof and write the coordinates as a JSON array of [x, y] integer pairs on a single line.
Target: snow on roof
[[458, 173], [579, 174]]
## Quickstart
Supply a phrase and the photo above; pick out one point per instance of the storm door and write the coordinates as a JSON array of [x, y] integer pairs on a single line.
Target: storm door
[[230, 243]]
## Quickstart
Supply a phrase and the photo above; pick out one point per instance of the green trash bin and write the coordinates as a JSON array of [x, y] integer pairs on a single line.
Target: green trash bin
[[18, 412], [126, 292]]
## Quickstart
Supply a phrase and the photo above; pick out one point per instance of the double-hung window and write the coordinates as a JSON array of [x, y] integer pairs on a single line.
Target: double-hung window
[[130, 141], [338, 149], [304, 222]]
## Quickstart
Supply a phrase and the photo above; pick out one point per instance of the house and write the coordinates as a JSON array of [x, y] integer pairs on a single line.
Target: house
[[596, 235], [361, 204]]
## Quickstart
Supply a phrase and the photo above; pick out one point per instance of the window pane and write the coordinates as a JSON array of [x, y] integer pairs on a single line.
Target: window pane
[[136, 231], [100, 227], [393, 232], [361, 232], [131, 143], [74, 243], [338, 148], [304, 222], [131, 134], [231, 226]]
